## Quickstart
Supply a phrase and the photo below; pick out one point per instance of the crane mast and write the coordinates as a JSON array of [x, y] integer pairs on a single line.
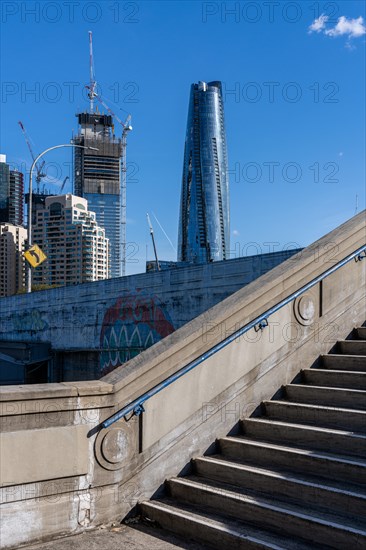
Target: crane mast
[[153, 241], [126, 127], [39, 167], [92, 84]]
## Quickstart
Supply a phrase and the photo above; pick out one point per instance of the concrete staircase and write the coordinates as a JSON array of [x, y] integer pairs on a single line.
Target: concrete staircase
[[293, 478]]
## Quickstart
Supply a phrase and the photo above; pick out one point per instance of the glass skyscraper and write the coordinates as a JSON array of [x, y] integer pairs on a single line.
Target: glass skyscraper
[[204, 224]]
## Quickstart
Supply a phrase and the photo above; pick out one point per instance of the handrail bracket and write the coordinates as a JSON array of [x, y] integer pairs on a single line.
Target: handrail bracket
[[261, 326], [361, 256]]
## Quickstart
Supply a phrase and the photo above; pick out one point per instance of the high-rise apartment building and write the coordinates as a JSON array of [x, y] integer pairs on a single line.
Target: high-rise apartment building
[[4, 189], [76, 246], [12, 269], [16, 198], [97, 177], [11, 194], [204, 211]]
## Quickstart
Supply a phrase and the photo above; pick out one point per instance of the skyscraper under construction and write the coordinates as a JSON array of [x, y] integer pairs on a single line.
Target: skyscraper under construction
[[204, 212], [97, 177]]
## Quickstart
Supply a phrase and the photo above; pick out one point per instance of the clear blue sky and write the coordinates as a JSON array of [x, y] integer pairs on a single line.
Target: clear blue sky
[[295, 121]]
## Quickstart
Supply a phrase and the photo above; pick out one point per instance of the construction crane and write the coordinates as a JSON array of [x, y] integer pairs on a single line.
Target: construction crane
[[153, 241], [93, 83], [126, 127], [63, 184], [38, 167]]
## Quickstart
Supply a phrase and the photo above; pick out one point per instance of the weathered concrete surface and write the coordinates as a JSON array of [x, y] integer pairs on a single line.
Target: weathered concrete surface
[[140, 537], [123, 316], [128, 462], [68, 441]]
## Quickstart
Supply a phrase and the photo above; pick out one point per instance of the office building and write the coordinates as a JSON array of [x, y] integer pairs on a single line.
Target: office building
[[204, 211], [38, 203], [12, 268], [16, 198], [97, 177], [11, 194], [76, 247]]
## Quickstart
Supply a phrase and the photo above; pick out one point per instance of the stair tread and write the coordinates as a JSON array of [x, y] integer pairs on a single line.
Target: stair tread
[[346, 459], [360, 333], [240, 530], [349, 340], [308, 388], [240, 494], [344, 361], [309, 427], [343, 355], [290, 403], [327, 484], [331, 372]]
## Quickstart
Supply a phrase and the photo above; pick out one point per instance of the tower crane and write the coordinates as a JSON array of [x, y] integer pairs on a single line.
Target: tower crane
[[93, 84], [153, 241], [63, 184], [126, 127], [39, 167]]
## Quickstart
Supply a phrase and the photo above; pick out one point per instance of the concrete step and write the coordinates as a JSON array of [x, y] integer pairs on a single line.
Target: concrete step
[[335, 379], [312, 437], [218, 532], [284, 486], [352, 347], [360, 333], [343, 362], [296, 460], [268, 514], [318, 415], [338, 397]]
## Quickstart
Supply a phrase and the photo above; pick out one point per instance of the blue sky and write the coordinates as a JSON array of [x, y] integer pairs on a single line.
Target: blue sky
[[294, 105]]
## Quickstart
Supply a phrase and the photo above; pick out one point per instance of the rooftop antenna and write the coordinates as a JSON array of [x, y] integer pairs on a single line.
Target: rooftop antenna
[[356, 209], [153, 241]]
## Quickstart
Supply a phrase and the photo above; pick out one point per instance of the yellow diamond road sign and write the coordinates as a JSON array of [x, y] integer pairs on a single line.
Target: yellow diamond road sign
[[34, 256]]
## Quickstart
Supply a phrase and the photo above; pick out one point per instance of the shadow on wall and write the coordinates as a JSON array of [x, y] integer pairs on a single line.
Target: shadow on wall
[[132, 324]]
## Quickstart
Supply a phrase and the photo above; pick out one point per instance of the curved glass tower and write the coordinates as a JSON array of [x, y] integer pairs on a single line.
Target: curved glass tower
[[204, 211]]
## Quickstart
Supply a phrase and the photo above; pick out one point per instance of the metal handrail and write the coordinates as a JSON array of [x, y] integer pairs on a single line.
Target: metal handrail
[[259, 323]]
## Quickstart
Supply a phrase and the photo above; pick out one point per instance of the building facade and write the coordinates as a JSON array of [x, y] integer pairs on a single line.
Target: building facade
[[38, 203], [97, 177], [4, 189], [204, 223], [12, 269], [11, 194], [16, 198], [76, 246]]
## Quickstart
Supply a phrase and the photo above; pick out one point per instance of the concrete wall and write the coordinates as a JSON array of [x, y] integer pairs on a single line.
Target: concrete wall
[[123, 316], [77, 475]]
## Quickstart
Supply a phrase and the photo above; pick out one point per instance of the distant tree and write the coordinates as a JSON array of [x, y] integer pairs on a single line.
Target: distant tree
[[38, 288]]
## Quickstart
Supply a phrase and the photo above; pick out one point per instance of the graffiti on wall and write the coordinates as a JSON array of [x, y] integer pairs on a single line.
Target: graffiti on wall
[[133, 323], [30, 320]]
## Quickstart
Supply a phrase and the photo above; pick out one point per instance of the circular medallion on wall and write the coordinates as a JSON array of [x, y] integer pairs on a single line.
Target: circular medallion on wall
[[115, 445], [306, 309]]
